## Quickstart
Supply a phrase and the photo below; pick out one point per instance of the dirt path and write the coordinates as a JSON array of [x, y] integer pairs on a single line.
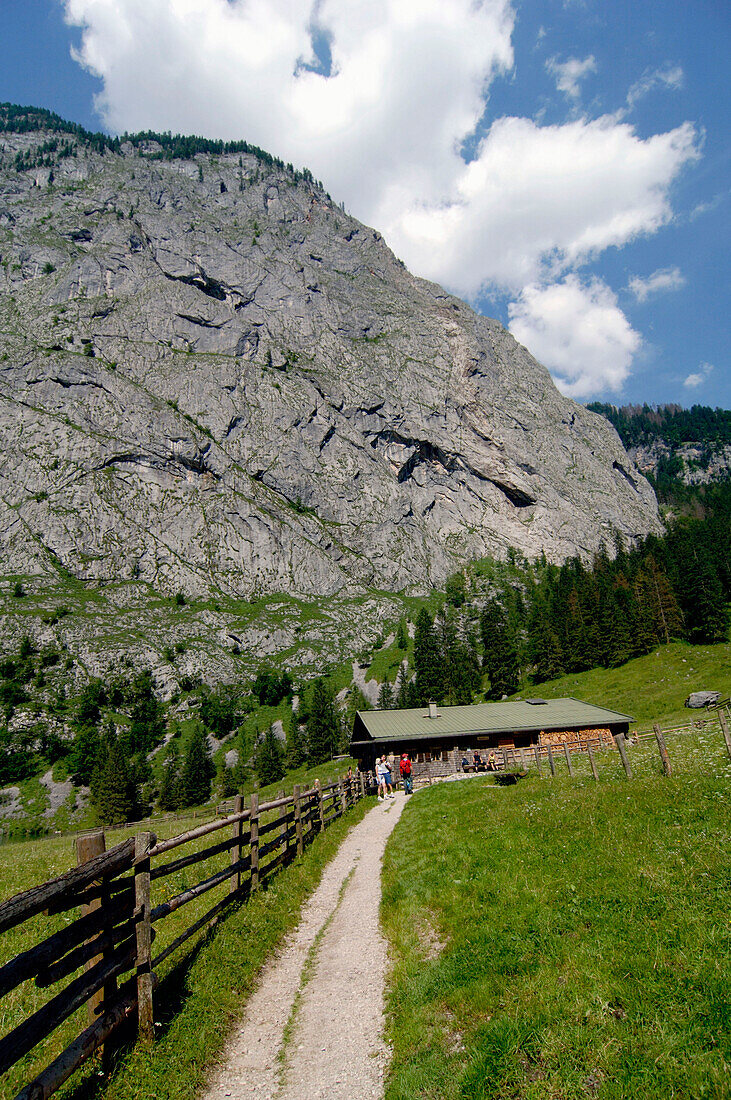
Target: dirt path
[[314, 1027]]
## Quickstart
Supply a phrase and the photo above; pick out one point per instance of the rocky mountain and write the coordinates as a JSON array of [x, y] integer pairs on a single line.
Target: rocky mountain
[[215, 381]]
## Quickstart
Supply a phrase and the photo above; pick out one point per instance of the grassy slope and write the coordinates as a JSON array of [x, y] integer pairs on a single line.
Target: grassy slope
[[565, 938], [651, 688]]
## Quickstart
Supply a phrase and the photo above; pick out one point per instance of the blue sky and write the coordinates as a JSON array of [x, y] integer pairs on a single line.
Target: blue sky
[[563, 164]]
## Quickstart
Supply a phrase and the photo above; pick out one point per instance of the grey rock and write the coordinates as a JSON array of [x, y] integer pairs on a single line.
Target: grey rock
[[273, 403], [702, 698]]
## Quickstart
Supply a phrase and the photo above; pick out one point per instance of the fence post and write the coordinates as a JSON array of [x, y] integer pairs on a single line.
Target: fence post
[[505, 757], [86, 848], [619, 741], [283, 825], [235, 883], [361, 779], [592, 761], [145, 1011], [298, 819], [537, 752], [254, 840], [567, 754], [551, 761], [320, 810], [343, 796], [522, 758], [666, 765], [723, 719]]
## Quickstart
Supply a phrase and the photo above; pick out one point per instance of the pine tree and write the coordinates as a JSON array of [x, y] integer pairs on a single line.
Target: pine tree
[[428, 661], [171, 794], [500, 652], [198, 769], [85, 754], [295, 749], [323, 727], [385, 695], [402, 635], [113, 788], [269, 759]]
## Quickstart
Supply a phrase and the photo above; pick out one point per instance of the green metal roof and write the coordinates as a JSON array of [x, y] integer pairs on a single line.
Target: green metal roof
[[507, 717]]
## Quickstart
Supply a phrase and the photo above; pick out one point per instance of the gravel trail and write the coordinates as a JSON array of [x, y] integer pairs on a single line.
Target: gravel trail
[[324, 990]]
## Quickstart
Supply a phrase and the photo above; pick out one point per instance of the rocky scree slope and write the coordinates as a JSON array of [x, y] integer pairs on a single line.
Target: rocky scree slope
[[214, 380]]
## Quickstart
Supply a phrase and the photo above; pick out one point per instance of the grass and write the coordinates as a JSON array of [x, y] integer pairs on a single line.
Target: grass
[[651, 688], [565, 938]]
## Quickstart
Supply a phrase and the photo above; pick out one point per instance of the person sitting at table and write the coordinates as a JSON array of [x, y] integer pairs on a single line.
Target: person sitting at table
[[491, 762], [477, 760], [465, 762]]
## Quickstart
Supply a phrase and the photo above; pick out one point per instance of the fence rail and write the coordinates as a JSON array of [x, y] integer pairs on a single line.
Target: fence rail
[[112, 938]]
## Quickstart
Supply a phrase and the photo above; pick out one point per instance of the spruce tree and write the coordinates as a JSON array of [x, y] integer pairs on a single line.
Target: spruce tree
[[113, 788], [171, 794], [385, 695], [269, 759], [198, 769], [323, 727], [295, 749], [500, 652], [402, 635], [428, 661]]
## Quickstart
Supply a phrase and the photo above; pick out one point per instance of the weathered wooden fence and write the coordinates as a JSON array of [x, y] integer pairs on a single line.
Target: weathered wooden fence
[[115, 917], [509, 757]]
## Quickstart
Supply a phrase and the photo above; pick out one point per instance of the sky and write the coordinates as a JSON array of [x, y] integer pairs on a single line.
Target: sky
[[561, 164]]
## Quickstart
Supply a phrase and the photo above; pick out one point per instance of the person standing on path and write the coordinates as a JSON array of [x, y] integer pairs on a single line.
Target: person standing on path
[[405, 769]]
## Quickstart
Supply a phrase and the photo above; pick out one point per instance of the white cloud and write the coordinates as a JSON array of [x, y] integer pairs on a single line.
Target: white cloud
[[694, 380], [538, 200], [577, 330], [666, 278], [669, 76], [569, 73], [383, 128]]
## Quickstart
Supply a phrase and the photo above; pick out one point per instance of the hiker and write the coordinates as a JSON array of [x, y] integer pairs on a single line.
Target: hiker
[[388, 762], [405, 769], [465, 762], [491, 762], [477, 761], [383, 776]]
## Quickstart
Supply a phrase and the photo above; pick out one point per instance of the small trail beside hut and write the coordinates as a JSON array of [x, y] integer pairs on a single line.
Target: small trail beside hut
[[314, 1026]]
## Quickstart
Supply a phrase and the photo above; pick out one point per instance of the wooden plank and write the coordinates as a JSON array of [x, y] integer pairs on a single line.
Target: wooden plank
[[23, 1038], [195, 857], [619, 741], [254, 840], [166, 907], [90, 952], [194, 834], [567, 754], [320, 804], [237, 842], [145, 1011], [723, 719], [592, 761], [666, 765], [30, 963], [50, 1080], [298, 819], [551, 761], [537, 753], [87, 848], [30, 902], [212, 913]]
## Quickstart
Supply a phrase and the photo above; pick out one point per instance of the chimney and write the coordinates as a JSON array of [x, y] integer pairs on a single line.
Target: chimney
[[433, 710]]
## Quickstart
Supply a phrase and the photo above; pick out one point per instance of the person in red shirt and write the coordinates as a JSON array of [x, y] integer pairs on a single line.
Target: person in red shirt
[[405, 769]]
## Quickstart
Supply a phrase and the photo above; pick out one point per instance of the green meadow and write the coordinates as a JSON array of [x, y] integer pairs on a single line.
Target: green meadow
[[565, 937]]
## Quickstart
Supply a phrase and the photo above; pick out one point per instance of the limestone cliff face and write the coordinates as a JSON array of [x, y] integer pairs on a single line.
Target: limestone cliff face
[[213, 379]]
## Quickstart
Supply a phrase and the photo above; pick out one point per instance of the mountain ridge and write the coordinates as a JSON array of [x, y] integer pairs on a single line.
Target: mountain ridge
[[245, 392]]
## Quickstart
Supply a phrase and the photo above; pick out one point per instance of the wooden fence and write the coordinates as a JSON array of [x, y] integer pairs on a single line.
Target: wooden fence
[[115, 918], [545, 754]]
